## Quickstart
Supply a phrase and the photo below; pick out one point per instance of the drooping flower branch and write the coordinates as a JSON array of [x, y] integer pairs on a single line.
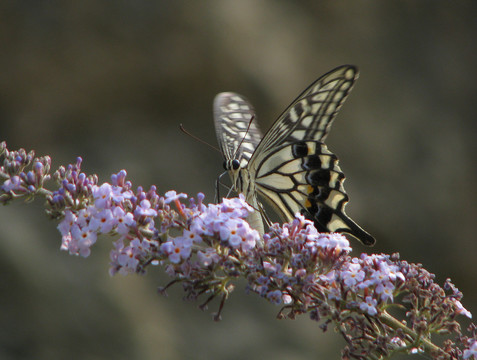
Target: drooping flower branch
[[208, 247]]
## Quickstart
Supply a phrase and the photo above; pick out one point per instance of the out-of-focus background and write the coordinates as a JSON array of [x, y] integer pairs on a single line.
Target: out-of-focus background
[[111, 81]]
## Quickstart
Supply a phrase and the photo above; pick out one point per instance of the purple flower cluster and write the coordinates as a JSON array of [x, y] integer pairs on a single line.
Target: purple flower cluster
[[18, 181], [88, 210], [91, 210], [107, 213], [371, 281], [293, 257], [310, 272], [206, 247], [214, 228], [114, 208]]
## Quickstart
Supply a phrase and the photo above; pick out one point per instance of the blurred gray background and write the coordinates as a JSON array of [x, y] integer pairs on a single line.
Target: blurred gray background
[[111, 81]]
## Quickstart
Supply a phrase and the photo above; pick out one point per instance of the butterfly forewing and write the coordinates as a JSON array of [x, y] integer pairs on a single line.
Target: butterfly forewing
[[309, 117], [291, 167]]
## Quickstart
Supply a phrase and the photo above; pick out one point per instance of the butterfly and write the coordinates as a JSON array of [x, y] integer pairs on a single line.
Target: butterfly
[[290, 167]]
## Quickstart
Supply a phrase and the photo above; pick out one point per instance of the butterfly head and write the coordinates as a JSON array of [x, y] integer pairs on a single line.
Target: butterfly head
[[233, 167]]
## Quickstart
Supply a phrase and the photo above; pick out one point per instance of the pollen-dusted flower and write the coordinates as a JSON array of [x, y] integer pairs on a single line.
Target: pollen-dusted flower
[[176, 249], [82, 238], [248, 237], [193, 236], [385, 290], [228, 231], [352, 274], [65, 225], [84, 216]]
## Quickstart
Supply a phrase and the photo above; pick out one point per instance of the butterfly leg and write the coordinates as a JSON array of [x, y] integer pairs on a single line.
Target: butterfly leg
[[219, 183]]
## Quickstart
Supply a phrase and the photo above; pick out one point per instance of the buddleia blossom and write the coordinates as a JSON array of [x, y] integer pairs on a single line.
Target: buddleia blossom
[[99, 209], [314, 269], [309, 272], [22, 174], [206, 247]]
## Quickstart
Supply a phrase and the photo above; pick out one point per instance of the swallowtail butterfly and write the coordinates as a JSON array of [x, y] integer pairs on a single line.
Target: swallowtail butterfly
[[290, 167]]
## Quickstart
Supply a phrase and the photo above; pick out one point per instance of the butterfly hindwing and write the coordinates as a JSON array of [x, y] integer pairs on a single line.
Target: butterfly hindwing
[[305, 177]]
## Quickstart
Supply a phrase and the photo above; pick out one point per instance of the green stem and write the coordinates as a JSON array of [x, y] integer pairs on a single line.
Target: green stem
[[427, 345]]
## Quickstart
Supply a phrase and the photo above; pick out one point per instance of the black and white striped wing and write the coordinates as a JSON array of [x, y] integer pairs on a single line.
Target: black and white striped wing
[[310, 116], [292, 167], [236, 128]]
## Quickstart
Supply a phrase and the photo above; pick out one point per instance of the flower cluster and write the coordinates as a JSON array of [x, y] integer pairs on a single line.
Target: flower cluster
[[309, 272], [371, 281], [206, 247], [209, 234], [89, 210], [293, 257], [300, 258], [17, 180]]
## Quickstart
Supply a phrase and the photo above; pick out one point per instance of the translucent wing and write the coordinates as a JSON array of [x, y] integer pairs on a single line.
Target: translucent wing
[[237, 131]]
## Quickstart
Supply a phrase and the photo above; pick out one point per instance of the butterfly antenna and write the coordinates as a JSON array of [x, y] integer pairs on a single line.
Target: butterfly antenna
[[197, 138], [243, 138]]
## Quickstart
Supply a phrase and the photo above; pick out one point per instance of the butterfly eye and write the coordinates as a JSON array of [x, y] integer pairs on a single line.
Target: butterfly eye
[[235, 164]]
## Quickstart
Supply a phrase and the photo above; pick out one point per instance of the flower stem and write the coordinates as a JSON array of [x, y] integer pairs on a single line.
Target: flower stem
[[427, 345]]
